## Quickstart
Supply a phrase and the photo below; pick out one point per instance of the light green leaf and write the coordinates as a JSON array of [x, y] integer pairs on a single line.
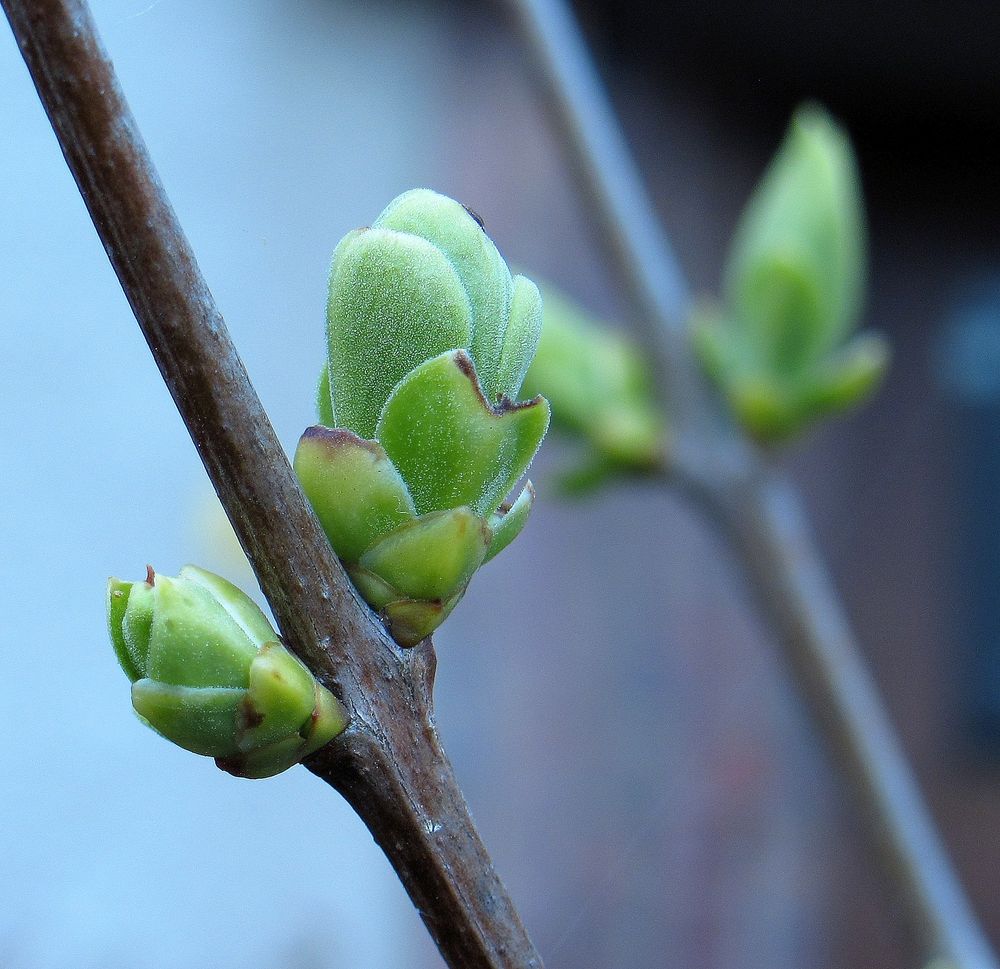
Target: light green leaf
[[451, 227], [520, 341], [329, 719], [395, 300], [280, 699], [324, 400], [137, 623], [432, 557], [117, 602], [234, 602], [451, 447], [506, 525], [201, 720], [353, 487], [194, 640], [374, 589]]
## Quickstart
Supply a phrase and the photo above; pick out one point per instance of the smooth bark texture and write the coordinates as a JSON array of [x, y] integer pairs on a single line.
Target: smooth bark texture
[[757, 509], [389, 763]]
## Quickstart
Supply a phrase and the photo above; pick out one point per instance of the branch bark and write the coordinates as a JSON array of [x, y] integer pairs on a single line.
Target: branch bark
[[755, 506], [389, 764]]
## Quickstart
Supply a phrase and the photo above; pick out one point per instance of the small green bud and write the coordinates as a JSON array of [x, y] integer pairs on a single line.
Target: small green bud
[[601, 392], [209, 673], [793, 288], [420, 441]]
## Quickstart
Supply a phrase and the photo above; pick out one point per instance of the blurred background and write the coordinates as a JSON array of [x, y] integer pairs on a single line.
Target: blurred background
[[630, 744]]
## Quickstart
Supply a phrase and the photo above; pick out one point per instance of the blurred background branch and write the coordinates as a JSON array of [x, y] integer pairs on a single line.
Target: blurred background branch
[[749, 499]]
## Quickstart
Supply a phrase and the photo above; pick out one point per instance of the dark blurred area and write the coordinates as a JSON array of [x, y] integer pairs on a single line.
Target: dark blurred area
[[906, 496]]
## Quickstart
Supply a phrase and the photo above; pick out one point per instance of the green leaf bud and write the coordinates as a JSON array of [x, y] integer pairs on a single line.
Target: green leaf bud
[[444, 444], [793, 288], [795, 274], [209, 673], [420, 439], [601, 392]]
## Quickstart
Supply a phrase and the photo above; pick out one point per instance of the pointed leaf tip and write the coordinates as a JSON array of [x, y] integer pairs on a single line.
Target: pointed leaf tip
[[507, 524]]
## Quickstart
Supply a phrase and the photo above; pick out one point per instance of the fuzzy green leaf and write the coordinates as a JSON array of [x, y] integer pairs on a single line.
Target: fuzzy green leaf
[[137, 622], [520, 341], [324, 400], [117, 602], [452, 447], [194, 641], [280, 698], [236, 604], [484, 274], [395, 300], [506, 525]]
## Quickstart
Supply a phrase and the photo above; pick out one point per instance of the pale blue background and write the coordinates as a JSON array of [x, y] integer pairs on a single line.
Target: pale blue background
[[275, 129]]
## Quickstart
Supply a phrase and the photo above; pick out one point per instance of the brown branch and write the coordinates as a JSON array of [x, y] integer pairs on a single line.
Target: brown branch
[[756, 507], [389, 764]]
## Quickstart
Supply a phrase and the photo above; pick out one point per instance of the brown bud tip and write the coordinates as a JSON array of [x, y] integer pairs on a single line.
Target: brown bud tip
[[150, 575], [475, 215]]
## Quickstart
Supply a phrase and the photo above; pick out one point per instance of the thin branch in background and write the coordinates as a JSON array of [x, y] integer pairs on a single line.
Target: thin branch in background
[[613, 190], [389, 764], [755, 506]]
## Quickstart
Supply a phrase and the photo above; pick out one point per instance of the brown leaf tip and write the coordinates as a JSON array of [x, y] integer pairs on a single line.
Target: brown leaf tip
[[150, 575], [504, 404], [340, 437], [477, 218]]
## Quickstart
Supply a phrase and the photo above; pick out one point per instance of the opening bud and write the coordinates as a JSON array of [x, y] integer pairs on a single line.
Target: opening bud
[[429, 338], [780, 345], [601, 392], [210, 673]]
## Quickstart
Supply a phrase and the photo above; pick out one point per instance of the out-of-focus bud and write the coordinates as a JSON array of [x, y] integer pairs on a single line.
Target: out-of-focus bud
[[601, 391], [209, 673], [420, 441], [794, 282]]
